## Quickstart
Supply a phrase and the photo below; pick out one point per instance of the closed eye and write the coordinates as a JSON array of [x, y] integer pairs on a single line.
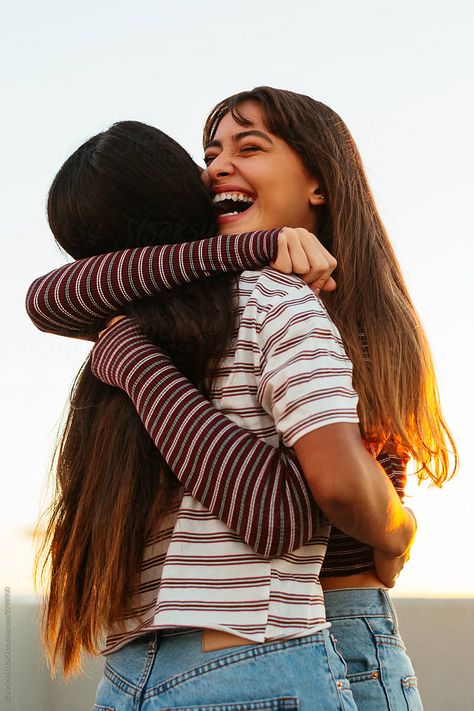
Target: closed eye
[[208, 159], [245, 149]]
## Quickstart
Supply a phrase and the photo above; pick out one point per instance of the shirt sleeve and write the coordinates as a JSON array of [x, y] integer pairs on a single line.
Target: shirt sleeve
[[304, 373], [257, 490], [75, 299]]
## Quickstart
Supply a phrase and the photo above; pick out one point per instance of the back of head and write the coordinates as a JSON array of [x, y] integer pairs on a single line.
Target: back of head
[[129, 186]]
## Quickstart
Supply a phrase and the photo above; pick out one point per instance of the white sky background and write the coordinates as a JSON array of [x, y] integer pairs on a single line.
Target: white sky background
[[400, 76]]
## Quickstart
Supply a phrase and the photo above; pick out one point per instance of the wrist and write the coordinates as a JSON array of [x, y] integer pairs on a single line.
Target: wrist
[[119, 354], [271, 243]]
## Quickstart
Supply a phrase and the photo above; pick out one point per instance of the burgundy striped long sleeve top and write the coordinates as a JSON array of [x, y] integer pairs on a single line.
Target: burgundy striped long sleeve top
[[74, 300]]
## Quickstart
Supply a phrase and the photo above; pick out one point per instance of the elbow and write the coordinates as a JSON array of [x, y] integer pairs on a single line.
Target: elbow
[[29, 308], [339, 505], [343, 484], [32, 308], [331, 493]]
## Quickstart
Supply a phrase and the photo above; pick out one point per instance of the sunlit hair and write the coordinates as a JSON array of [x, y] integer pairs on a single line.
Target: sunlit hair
[[128, 186], [398, 394]]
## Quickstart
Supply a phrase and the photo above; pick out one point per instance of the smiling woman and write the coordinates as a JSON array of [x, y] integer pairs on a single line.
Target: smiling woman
[[264, 167], [303, 163], [304, 166]]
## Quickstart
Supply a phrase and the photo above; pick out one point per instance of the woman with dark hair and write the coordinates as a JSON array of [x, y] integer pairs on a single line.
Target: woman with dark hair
[[127, 326], [118, 515]]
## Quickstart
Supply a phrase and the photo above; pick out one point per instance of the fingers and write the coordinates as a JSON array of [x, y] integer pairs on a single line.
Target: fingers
[[321, 285], [114, 319], [283, 261], [388, 568], [294, 246], [300, 252], [299, 259], [110, 322], [322, 264]]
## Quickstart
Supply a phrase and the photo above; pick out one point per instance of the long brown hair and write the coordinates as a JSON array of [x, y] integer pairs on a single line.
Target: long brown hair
[[398, 393], [127, 186]]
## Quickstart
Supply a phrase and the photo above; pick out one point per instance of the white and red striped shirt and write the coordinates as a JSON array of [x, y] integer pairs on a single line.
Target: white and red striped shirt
[[285, 375]]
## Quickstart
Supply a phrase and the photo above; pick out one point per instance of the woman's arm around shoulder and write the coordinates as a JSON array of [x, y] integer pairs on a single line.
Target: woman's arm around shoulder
[[75, 299]]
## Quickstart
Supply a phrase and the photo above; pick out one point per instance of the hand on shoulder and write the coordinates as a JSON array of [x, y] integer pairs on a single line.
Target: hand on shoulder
[[300, 252]]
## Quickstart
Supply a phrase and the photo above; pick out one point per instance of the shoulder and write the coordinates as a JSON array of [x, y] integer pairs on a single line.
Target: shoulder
[[268, 283], [274, 299], [270, 290]]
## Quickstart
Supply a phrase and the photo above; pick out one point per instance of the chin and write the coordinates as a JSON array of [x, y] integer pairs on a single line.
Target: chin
[[236, 228], [245, 225]]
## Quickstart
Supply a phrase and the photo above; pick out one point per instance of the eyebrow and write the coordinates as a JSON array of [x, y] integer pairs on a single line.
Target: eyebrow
[[239, 137]]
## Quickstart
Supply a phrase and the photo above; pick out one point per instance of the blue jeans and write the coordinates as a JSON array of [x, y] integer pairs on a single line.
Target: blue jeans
[[171, 671], [365, 625]]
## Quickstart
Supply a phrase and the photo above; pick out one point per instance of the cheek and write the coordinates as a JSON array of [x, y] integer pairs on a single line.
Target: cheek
[[283, 184], [272, 190], [282, 192], [292, 198]]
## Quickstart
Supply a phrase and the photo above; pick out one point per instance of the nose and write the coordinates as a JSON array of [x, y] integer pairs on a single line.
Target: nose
[[220, 167]]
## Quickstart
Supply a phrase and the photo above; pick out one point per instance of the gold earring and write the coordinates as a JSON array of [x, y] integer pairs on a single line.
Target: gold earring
[[320, 197]]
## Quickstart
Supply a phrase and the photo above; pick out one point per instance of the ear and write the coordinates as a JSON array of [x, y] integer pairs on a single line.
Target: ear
[[315, 196]]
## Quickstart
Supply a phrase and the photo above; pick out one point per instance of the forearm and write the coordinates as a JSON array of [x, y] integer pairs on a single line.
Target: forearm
[[371, 510], [256, 490], [352, 489], [74, 300]]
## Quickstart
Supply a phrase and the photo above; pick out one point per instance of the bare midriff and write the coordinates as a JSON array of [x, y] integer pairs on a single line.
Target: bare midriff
[[361, 580]]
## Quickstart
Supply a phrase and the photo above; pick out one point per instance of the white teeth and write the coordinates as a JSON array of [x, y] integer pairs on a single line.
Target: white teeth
[[227, 214], [240, 197]]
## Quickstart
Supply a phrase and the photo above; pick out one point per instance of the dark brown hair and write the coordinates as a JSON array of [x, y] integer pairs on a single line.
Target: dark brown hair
[[128, 186], [398, 394]]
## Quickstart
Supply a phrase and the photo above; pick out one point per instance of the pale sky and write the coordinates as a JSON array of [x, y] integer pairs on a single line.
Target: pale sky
[[399, 74]]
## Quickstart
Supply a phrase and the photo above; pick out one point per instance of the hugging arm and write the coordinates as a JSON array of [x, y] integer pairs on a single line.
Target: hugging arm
[[75, 299], [275, 512], [258, 491]]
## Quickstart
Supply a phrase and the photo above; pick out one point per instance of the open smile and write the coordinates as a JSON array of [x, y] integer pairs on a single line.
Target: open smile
[[230, 204]]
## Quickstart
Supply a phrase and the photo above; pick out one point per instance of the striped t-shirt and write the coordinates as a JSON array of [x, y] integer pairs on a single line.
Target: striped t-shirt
[[285, 375]]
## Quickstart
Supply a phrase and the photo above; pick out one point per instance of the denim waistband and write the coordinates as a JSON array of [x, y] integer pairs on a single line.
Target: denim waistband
[[359, 602], [339, 603]]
